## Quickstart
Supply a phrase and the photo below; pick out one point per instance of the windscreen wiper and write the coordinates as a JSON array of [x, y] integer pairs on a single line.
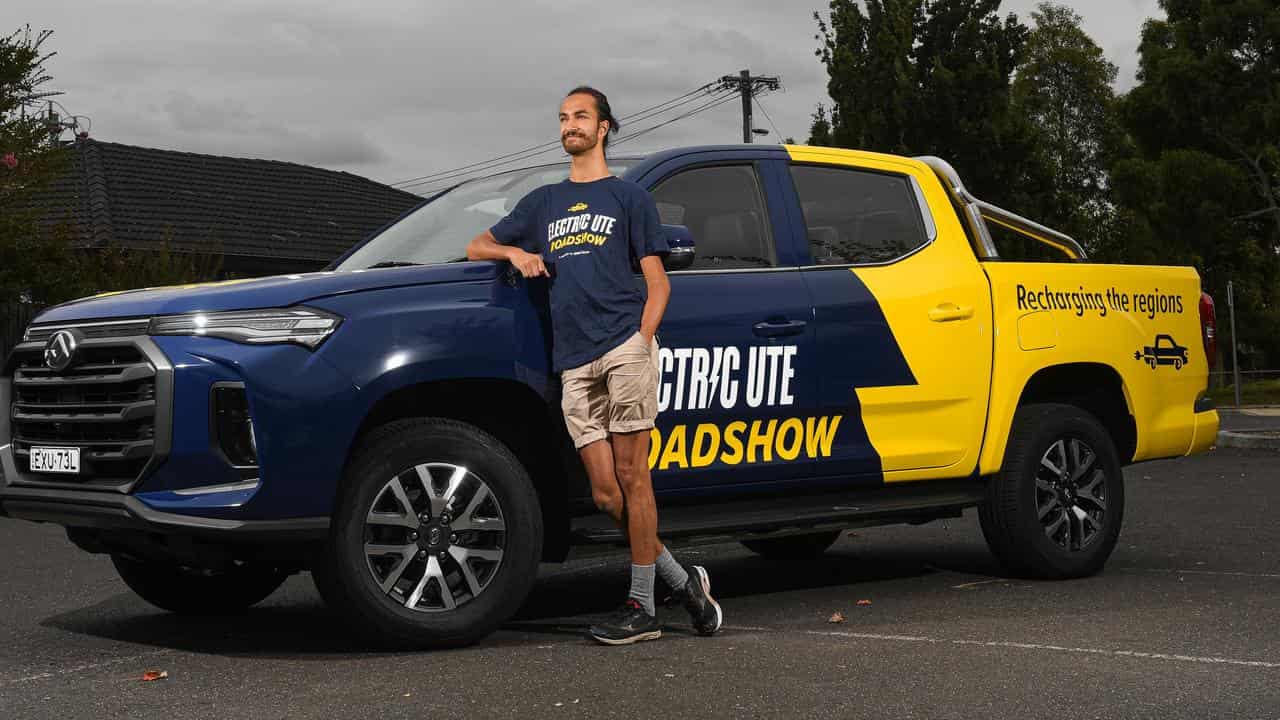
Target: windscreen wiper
[[392, 263]]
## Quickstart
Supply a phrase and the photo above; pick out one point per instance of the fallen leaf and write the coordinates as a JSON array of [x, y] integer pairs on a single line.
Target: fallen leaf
[[153, 675], [559, 704], [836, 617], [864, 602]]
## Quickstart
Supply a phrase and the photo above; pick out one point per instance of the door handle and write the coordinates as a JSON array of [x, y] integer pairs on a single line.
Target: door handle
[[778, 328], [948, 312]]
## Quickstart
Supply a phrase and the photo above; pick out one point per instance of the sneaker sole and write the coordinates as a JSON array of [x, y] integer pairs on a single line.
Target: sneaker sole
[[705, 581], [654, 635]]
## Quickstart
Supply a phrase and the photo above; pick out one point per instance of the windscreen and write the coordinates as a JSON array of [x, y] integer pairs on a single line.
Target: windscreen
[[440, 230]]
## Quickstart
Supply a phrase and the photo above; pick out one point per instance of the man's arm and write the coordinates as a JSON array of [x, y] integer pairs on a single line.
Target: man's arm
[[655, 279], [485, 247]]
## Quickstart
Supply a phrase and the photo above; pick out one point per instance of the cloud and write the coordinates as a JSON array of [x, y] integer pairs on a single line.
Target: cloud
[[397, 88], [231, 128]]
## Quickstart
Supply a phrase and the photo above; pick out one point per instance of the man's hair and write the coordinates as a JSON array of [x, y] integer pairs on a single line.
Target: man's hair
[[602, 109]]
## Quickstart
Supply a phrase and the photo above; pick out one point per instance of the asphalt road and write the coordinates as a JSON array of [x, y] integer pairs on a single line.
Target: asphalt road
[[1183, 623], [1250, 419]]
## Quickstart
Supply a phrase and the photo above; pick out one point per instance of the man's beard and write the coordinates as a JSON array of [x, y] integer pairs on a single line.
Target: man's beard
[[579, 149]]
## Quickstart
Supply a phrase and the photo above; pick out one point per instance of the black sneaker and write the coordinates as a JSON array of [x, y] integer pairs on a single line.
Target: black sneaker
[[696, 598], [629, 624]]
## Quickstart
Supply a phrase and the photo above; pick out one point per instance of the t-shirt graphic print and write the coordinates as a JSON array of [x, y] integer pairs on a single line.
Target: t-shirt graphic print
[[588, 233]]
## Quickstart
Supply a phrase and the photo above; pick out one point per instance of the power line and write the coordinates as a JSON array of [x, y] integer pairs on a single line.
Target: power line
[[721, 100], [766, 116], [519, 156], [452, 178], [639, 115], [716, 101], [747, 84]]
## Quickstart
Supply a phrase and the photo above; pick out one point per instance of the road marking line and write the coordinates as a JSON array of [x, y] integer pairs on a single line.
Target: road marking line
[[1052, 648], [1175, 571], [963, 586], [79, 668]]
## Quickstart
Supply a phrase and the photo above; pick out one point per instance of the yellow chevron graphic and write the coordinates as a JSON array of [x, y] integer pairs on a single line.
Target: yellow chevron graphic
[[576, 208]]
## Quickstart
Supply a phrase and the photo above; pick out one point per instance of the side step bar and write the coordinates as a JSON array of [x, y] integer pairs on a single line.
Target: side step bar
[[789, 515]]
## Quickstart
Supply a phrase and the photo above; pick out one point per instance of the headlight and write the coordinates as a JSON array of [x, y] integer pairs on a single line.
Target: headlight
[[303, 326]]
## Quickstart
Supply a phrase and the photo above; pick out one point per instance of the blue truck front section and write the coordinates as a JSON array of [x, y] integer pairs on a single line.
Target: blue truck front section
[[401, 337], [303, 412]]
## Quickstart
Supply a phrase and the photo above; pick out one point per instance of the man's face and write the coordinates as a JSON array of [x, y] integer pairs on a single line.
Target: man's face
[[580, 124]]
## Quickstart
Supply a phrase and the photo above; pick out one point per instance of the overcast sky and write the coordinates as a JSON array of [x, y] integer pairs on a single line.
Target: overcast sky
[[393, 89]]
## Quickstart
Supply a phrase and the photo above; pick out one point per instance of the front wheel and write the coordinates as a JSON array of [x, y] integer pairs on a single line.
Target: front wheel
[[197, 592], [436, 537], [1055, 508]]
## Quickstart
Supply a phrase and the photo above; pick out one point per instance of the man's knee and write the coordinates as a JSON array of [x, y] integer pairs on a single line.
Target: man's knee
[[610, 502], [630, 472]]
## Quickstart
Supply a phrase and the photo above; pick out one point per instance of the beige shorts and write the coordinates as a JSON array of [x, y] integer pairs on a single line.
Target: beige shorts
[[617, 392]]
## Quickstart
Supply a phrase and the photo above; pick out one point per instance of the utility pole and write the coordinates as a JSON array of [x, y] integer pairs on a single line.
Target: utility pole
[[747, 85], [1235, 362]]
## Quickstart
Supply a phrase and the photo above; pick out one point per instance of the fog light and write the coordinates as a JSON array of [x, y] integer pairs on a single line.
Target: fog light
[[232, 428]]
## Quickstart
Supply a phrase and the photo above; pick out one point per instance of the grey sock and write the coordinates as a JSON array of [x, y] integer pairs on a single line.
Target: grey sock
[[671, 572], [642, 586]]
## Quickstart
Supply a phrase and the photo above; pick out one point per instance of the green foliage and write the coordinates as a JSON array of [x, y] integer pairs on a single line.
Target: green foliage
[[29, 160], [1064, 87], [1201, 183], [40, 263], [930, 77]]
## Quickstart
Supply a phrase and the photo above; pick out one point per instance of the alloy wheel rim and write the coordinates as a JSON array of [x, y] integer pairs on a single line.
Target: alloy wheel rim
[[1071, 494], [434, 537]]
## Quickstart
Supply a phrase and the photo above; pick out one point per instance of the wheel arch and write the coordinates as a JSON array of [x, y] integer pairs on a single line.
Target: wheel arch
[[510, 411], [1095, 388]]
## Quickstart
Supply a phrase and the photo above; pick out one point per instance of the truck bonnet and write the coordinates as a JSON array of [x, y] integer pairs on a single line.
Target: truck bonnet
[[249, 293]]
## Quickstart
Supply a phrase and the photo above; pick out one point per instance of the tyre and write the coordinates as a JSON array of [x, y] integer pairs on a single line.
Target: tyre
[[793, 547], [436, 536], [196, 592], [1055, 508]]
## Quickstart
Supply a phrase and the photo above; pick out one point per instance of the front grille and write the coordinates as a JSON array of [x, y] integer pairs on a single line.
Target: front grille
[[104, 404], [91, 331]]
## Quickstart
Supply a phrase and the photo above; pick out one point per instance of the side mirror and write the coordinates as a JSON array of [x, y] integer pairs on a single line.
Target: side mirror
[[680, 240]]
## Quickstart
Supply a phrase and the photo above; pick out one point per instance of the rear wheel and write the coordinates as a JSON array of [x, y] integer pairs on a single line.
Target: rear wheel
[[1055, 508], [197, 592], [436, 537], [793, 547]]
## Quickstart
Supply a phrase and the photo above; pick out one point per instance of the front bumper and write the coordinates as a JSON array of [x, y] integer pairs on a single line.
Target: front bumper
[[113, 511], [305, 414]]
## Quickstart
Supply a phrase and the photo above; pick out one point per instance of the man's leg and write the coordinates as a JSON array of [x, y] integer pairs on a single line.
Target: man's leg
[[632, 373], [597, 458], [631, 465]]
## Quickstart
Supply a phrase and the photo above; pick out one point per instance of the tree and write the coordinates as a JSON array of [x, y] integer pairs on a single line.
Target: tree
[[1201, 184], [30, 158], [38, 264], [1064, 87], [931, 77]]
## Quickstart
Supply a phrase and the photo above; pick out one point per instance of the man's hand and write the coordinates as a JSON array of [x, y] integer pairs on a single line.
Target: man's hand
[[527, 263], [485, 247], [659, 291]]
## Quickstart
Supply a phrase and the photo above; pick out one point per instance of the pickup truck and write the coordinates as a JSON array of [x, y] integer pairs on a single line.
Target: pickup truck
[[844, 347]]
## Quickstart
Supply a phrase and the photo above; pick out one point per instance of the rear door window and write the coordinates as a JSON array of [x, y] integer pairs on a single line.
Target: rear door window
[[857, 217]]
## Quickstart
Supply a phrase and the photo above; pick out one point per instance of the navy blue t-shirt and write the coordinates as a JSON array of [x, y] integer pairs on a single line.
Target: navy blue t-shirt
[[587, 234]]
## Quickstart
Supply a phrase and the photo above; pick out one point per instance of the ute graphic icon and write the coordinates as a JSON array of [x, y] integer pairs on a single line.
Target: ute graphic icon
[[1165, 351]]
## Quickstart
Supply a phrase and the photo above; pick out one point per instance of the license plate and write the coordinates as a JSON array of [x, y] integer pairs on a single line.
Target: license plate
[[55, 460]]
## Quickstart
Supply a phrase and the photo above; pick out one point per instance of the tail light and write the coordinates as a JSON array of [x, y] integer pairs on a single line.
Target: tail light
[[1209, 328]]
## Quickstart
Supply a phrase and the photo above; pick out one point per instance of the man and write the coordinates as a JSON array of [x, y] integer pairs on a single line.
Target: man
[[588, 229]]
